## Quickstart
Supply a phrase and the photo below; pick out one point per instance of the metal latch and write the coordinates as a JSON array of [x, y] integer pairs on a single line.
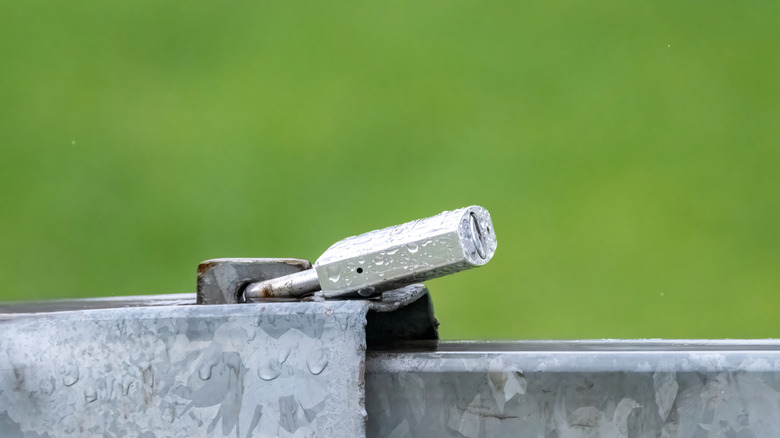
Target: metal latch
[[362, 266]]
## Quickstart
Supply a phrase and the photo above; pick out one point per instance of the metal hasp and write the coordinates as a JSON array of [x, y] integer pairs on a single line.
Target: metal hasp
[[222, 281], [577, 389], [293, 369]]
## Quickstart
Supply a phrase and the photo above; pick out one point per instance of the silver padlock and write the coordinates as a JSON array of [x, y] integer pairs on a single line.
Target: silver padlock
[[370, 263]]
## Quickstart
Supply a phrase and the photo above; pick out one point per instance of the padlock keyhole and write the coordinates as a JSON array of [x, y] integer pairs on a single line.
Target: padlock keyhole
[[359, 270]]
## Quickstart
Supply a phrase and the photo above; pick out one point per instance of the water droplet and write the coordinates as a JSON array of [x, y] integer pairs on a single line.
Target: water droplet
[[412, 247], [284, 353], [269, 371], [71, 376], [317, 361], [90, 395], [333, 273], [204, 372]]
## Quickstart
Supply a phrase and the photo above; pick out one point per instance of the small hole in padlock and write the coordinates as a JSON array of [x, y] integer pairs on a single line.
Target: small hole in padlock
[[359, 270]]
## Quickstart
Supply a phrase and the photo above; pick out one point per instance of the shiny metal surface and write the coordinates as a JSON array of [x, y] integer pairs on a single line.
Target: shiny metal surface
[[607, 388], [166, 368], [19, 309], [409, 253], [364, 265], [275, 369], [294, 285]]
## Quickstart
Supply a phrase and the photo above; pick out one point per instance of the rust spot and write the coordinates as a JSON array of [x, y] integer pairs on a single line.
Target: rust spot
[[266, 292], [205, 266]]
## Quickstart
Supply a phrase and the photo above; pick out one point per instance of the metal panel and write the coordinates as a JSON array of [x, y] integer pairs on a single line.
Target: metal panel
[[276, 369], [577, 389], [297, 369]]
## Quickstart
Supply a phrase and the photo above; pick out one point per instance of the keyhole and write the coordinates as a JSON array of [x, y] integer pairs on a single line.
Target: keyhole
[[477, 237]]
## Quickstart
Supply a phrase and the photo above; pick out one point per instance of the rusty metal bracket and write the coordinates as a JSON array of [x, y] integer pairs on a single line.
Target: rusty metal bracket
[[221, 281]]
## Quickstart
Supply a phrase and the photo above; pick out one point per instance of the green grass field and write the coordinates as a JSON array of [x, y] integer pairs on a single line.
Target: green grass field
[[629, 153]]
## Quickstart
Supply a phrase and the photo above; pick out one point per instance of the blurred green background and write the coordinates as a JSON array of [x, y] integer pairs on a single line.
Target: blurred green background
[[628, 152]]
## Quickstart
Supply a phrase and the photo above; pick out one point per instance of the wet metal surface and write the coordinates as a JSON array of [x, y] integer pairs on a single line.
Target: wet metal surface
[[381, 260], [409, 253], [301, 369], [577, 389], [17, 309], [244, 370]]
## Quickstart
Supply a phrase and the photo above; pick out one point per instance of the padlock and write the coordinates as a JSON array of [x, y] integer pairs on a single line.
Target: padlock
[[390, 258]]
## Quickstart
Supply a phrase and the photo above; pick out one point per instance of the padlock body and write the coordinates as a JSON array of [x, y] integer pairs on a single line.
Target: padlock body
[[413, 252]]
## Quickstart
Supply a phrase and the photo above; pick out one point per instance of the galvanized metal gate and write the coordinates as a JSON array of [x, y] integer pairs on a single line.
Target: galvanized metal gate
[[168, 369]]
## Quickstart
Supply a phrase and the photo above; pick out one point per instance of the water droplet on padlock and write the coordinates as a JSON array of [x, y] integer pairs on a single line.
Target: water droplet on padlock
[[334, 273], [412, 247]]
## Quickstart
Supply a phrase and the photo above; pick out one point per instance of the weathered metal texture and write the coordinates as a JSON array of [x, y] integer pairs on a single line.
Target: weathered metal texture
[[244, 370], [577, 389], [17, 309], [220, 280]]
